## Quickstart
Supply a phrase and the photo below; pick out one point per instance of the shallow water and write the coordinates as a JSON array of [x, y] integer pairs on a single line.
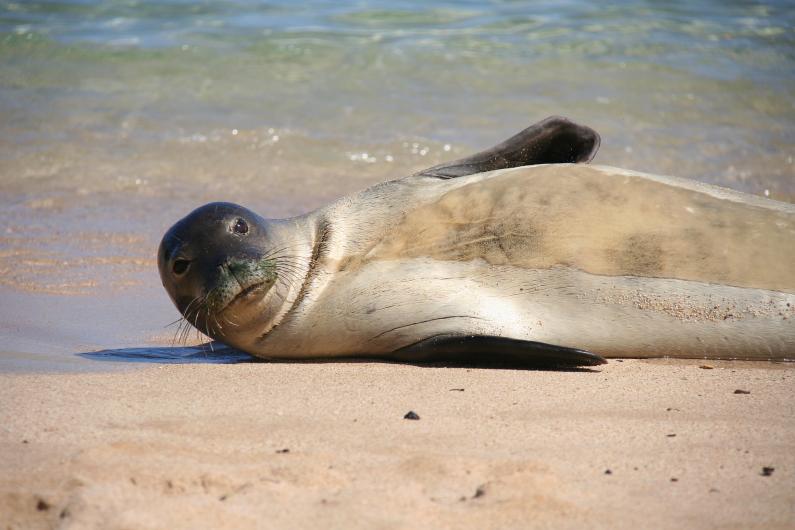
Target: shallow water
[[118, 117]]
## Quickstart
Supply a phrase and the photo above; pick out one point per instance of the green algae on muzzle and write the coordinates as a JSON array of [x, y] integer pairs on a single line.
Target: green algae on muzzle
[[240, 278]]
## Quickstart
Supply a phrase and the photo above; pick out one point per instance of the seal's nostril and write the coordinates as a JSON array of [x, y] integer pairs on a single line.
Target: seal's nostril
[[180, 266]]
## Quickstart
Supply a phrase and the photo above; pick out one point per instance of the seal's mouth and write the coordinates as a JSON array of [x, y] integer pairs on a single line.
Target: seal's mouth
[[248, 292]]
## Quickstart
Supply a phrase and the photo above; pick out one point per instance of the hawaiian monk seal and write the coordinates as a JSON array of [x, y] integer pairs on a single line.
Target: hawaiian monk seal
[[558, 263]]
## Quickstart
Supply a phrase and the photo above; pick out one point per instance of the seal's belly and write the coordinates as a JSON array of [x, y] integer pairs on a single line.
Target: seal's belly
[[389, 304]]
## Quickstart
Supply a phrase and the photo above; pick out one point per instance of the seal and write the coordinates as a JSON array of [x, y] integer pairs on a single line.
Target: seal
[[521, 252]]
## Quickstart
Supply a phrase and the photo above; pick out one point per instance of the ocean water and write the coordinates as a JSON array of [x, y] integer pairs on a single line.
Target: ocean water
[[117, 117]]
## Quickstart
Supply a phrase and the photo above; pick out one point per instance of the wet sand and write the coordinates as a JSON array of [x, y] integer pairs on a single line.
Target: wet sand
[[634, 444]]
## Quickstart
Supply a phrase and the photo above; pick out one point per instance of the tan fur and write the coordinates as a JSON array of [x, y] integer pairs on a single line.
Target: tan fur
[[597, 221], [616, 262]]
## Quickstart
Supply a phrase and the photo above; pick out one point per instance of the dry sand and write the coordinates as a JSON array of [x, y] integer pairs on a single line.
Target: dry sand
[[286, 445]]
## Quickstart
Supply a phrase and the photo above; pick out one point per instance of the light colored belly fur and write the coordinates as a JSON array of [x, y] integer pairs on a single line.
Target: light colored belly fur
[[387, 305]]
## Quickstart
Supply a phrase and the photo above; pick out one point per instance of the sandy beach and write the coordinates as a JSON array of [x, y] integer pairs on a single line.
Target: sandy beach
[[633, 444], [119, 118]]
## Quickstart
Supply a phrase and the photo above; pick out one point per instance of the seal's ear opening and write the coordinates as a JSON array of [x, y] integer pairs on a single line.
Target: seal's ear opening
[[555, 140]]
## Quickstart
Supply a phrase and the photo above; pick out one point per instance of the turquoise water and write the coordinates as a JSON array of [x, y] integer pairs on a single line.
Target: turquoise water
[[699, 89], [118, 117]]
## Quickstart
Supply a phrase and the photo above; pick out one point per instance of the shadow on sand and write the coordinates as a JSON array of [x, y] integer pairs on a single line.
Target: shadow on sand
[[218, 353], [208, 353]]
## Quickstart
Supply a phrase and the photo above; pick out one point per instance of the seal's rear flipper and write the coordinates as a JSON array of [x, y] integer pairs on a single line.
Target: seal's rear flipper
[[489, 348], [554, 140]]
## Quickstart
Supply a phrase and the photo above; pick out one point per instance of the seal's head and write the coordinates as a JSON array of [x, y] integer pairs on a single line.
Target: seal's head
[[222, 265]]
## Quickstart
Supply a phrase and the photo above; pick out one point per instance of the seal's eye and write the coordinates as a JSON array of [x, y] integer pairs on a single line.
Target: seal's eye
[[240, 226], [180, 266]]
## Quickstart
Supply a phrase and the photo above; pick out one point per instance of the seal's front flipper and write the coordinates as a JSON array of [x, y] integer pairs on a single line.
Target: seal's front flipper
[[488, 348], [554, 140]]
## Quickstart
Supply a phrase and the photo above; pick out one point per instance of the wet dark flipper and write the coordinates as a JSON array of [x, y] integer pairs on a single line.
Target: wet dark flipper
[[485, 348], [554, 140]]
